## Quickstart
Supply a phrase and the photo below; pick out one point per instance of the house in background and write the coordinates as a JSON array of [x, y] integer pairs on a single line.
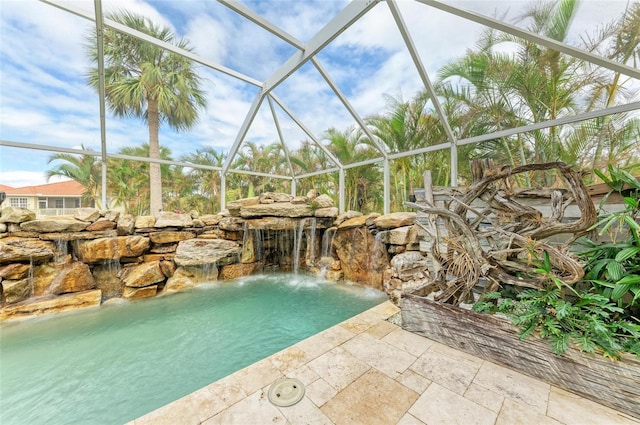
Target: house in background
[[46, 199]]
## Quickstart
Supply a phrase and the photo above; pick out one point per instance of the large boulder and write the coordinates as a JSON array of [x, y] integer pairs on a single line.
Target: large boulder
[[101, 224], [346, 216], [110, 249], [322, 201], [280, 209], [191, 276], [136, 293], [195, 252], [410, 265], [53, 305], [86, 214], [358, 221], [234, 207], [108, 280], [16, 215], [168, 236], [54, 224], [274, 197], [393, 220], [43, 276], [231, 224], [75, 277], [145, 221], [14, 250], [331, 212], [171, 219], [143, 274], [272, 223], [126, 224], [16, 290], [235, 271], [14, 271], [73, 236], [212, 219], [363, 258]]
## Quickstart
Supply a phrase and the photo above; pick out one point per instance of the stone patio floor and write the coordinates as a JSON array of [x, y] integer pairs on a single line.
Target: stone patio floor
[[369, 371]]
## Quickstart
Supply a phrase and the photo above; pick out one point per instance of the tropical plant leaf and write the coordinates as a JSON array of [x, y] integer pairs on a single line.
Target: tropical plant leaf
[[615, 271], [627, 253], [619, 290]]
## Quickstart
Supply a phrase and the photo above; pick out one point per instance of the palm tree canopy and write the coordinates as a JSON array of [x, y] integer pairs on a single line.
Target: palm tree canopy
[[137, 73]]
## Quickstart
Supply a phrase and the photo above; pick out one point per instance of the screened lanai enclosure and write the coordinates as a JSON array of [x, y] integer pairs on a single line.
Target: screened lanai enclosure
[[324, 89]]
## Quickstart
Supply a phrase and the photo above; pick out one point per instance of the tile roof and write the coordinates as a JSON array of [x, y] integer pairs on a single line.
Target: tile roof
[[65, 188]]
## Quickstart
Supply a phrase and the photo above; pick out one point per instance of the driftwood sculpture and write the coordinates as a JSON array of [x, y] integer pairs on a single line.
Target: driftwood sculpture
[[485, 234]]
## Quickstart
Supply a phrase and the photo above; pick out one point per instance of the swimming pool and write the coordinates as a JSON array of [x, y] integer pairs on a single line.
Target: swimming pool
[[116, 363]]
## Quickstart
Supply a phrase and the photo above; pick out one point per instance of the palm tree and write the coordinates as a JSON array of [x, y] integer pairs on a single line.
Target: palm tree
[[84, 169], [615, 137], [362, 184], [128, 181], [307, 159], [206, 182], [534, 84], [147, 82], [260, 158]]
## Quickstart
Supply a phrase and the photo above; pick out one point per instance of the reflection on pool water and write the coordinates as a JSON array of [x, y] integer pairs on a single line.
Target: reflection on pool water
[[118, 362]]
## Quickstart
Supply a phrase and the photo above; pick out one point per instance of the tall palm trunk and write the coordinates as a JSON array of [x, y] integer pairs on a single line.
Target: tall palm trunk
[[155, 175]]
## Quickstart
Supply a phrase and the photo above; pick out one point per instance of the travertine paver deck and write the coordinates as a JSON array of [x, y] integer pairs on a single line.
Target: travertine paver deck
[[368, 371]]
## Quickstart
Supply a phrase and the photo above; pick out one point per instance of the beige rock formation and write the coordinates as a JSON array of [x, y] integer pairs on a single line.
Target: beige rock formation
[[170, 219], [363, 258], [86, 214], [277, 210], [137, 293], [15, 250], [53, 305], [101, 224], [143, 274], [108, 249], [194, 252], [393, 220], [54, 224], [169, 236], [14, 271], [108, 280], [16, 215]]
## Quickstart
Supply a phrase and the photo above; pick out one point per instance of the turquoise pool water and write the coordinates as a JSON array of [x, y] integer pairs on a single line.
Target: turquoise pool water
[[116, 363]]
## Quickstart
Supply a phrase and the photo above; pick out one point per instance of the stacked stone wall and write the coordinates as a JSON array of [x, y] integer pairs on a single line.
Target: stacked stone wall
[[59, 263]]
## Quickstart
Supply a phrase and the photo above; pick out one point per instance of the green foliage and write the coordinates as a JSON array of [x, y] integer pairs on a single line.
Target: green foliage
[[587, 321], [613, 268]]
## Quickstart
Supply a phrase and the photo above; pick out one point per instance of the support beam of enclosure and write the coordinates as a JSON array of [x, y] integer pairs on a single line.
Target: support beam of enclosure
[[50, 148], [536, 38], [248, 119], [341, 197], [142, 36], [280, 137], [101, 95], [635, 106], [223, 191], [242, 10], [415, 56], [319, 172], [259, 174], [343, 20], [308, 132], [387, 187]]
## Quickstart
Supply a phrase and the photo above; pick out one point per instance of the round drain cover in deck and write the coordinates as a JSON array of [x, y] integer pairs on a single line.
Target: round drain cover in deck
[[286, 392]]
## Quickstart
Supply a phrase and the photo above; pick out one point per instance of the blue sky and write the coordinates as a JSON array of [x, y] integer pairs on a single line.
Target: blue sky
[[44, 98]]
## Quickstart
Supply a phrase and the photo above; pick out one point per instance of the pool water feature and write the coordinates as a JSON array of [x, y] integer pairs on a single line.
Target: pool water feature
[[116, 363]]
